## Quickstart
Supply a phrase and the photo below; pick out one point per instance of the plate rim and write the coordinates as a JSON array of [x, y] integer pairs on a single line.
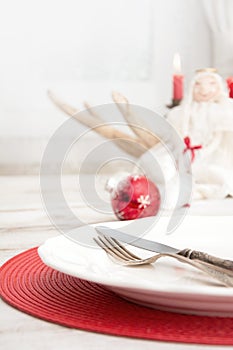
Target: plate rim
[[212, 291]]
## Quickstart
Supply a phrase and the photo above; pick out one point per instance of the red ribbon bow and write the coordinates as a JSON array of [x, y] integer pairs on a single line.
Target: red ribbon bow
[[190, 148]]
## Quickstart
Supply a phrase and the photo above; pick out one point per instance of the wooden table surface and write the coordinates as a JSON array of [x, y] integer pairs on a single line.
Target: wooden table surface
[[24, 224]]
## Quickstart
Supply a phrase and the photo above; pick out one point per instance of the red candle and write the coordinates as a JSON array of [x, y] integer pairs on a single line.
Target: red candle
[[230, 86], [178, 79]]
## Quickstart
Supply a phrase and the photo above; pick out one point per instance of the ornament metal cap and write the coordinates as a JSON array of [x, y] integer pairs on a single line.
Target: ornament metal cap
[[208, 70]]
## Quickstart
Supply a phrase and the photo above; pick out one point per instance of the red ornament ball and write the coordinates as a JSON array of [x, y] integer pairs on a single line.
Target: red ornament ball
[[134, 197]]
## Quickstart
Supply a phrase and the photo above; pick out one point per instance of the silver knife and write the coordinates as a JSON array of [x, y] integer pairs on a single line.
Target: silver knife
[[163, 248]]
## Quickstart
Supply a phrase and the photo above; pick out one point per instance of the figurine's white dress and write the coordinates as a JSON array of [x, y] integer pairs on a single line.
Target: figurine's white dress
[[209, 124]]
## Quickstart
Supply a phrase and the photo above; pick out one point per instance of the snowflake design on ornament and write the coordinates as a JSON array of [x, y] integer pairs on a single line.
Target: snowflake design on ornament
[[136, 177], [144, 201]]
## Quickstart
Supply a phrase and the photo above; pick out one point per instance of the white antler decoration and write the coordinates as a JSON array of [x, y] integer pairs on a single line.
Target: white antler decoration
[[134, 146]]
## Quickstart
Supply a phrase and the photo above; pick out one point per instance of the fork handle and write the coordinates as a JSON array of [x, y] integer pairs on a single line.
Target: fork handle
[[210, 259]]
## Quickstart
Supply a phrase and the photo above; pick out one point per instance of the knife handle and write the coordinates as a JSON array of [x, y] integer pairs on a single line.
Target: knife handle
[[210, 259]]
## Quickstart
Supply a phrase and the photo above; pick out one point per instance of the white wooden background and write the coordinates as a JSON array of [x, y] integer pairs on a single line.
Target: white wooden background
[[83, 50]]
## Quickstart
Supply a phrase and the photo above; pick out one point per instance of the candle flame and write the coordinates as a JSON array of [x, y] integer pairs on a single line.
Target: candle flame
[[177, 63]]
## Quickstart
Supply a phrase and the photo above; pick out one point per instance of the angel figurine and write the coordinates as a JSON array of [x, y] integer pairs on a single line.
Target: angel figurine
[[205, 121]]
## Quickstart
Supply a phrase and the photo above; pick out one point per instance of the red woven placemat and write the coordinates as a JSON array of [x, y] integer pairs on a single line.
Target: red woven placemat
[[34, 288]]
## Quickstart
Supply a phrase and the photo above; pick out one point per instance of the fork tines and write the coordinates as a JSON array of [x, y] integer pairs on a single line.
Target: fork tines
[[115, 249]]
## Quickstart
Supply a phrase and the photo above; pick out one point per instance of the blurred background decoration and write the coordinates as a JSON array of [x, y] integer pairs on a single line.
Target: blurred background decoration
[[83, 50]]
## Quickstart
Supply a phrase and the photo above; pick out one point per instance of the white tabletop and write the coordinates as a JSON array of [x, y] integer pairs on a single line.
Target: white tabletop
[[24, 224]]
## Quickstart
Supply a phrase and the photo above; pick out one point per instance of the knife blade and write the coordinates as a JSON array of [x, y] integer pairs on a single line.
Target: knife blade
[[163, 248], [136, 241]]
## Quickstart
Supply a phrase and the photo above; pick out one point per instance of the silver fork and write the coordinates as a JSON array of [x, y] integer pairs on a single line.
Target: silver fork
[[121, 255]]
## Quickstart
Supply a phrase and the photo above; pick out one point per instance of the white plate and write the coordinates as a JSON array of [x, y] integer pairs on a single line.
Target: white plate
[[166, 285]]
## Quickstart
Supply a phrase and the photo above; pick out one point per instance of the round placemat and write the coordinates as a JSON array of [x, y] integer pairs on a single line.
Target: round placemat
[[32, 287]]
